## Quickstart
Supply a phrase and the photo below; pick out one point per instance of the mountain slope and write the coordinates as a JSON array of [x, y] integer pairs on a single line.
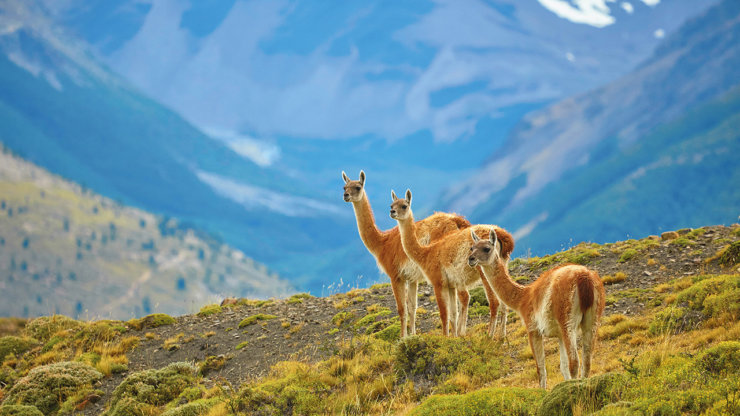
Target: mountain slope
[[63, 111], [67, 250], [385, 70], [661, 136]]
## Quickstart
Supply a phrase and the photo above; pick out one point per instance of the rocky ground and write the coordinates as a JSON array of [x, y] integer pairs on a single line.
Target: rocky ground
[[240, 342]]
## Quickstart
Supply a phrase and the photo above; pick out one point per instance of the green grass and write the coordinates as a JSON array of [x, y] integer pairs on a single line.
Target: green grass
[[210, 310]]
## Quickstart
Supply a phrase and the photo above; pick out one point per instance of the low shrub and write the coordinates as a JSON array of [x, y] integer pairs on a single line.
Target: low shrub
[[491, 401], [588, 394], [151, 321], [731, 255], [47, 386], [196, 408], [19, 410], [144, 390], [15, 345], [430, 359], [627, 254], [720, 360], [45, 327], [250, 320], [210, 310]]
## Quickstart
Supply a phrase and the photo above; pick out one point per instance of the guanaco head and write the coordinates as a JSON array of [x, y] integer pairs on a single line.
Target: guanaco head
[[401, 208], [484, 251], [353, 189]]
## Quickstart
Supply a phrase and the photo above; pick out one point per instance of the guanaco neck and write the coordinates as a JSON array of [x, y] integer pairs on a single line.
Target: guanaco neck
[[411, 246], [509, 292], [371, 236]]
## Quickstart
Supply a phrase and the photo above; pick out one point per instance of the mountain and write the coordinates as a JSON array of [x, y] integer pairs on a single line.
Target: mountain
[[297, 69], [223, 116], [651, 151], [62, 110], [68, 250]]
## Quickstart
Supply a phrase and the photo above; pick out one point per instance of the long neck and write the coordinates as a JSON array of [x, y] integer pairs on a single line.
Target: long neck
[[509, 292], [369, 232], [411, 245]]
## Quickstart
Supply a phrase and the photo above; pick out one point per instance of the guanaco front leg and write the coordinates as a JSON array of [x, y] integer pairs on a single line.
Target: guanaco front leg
[[452, 310], [412, 304], [538, 351], [463, 296], [399, 292]]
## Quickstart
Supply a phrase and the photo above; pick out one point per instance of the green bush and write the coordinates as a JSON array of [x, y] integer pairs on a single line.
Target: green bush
[[293, 388], [19, 410], [431, 359], [390, 333], [492, 401], [478, 295], [151, 388], [342, 317], [15, 345], [45, 327], [254, 318], [731, 255], [47, 386], [713, 294], [673, 321], [210, 310], [627, 254], [151, 321], [196, 408], [370, 318], [591, 394], [722, 359]]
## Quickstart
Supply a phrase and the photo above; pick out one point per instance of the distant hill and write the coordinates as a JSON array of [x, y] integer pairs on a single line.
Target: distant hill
[[652, 151], [65, 249]]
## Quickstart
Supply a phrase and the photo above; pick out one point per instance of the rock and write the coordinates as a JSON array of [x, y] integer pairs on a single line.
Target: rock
[[229, 301], [653, 237], [669, 235], [684, 231], [647, 273]]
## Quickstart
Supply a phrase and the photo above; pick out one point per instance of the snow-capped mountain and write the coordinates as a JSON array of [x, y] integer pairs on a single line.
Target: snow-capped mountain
[[654, 125]]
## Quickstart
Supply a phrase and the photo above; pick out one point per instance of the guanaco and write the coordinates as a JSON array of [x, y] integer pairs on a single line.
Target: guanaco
[[562, 302]]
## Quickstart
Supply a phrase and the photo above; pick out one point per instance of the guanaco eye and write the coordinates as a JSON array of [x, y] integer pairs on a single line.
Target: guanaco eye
[[404, 206], [357, 188], [487, 249], [471, 248]]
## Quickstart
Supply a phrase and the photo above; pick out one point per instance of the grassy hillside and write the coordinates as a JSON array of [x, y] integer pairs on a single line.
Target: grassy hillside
[[669, 345], [64, 249]]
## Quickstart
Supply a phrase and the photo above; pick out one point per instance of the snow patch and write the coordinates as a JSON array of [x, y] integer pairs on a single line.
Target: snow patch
[[258, 151], [591, 12], [254, 197], [659, 34], [527, 228]]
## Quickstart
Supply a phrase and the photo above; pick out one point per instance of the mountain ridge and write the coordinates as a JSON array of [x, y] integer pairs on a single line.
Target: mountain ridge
[[603, 126]]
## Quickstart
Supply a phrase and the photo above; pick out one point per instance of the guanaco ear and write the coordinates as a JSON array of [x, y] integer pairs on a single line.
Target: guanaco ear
[[345, 177], [493, 237], [474, 235], [408, 196], [393, 195], [362, 177]]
